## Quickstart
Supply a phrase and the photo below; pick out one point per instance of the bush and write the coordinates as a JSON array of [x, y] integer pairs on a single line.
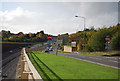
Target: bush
[[115, 42]]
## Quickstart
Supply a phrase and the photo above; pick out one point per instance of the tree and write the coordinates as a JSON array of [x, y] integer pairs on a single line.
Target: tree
[[5, 34], [97, 41], [42, 32], [115, 42], [20, 33], [39, 35]]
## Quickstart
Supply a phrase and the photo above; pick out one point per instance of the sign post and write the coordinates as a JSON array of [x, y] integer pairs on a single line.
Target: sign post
[[58, 45], [107, 38], [56, 49], [49, 37], [49, 40]]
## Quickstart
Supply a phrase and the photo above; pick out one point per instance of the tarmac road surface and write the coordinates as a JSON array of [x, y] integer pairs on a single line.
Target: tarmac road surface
[[9, 65]]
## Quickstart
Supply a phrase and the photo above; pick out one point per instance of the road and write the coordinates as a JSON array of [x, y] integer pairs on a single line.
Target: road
[[101, 60], [10, 69], [38, 46], [9, 64], [9, 53], [10, 60]]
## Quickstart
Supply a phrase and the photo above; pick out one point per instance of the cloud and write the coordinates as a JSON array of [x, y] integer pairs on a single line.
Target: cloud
[[20, 14], [28, 21], [55, 18], [59, 0], [20, 19], [99, 14]]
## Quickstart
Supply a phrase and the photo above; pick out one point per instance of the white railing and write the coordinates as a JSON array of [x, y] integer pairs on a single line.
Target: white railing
[[27, 69]]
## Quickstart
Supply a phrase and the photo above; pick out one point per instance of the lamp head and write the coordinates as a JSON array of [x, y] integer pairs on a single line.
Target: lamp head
[[76, 16]]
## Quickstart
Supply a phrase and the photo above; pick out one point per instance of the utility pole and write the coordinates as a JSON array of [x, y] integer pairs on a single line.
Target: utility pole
[[83, 31], [56, 49]]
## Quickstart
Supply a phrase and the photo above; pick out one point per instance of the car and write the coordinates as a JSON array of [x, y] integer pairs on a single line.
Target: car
[[10, 51], [4, 75], [0, 72], [46, 50], [51, 48]]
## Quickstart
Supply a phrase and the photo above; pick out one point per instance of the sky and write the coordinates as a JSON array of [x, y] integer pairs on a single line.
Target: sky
[[56, 17]]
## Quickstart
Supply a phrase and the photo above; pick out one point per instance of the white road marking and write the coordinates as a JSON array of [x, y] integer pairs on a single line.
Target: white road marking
[[114, 61], [95, 58]]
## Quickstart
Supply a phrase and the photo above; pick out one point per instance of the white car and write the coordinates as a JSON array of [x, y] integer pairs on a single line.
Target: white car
[[51, 48], [10, 51], [0, 72]]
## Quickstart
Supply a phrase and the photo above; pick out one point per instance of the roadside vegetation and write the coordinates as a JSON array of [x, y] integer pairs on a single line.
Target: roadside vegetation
[[51, 66], [7, 36], [94, 40]]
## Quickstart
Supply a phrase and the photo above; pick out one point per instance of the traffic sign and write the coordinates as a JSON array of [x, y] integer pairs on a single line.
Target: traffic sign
[[107, 38], [73, 44], [49, 37]]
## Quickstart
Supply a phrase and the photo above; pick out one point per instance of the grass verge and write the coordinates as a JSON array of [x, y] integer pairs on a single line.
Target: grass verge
[[58, 67]]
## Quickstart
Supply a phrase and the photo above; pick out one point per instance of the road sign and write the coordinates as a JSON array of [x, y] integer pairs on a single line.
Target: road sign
[[73, 44], [107, 38], [49, 37]]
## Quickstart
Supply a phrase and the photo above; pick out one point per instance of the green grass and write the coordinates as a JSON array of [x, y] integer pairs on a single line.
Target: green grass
[[51, 66]]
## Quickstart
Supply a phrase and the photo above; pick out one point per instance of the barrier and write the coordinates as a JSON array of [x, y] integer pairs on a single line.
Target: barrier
[[28, 72]]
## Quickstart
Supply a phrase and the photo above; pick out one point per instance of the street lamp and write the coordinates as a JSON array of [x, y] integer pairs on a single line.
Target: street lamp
[[84, 20], [83, 30]]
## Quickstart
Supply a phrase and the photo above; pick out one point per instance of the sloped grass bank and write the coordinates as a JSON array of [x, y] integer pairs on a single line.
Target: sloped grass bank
[[51, 66]]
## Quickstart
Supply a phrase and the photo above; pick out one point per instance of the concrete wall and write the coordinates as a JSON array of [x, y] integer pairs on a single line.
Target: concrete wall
[[28, 71]]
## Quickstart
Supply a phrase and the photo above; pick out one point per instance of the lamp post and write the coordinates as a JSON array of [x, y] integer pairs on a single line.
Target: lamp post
[[83, 30]]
